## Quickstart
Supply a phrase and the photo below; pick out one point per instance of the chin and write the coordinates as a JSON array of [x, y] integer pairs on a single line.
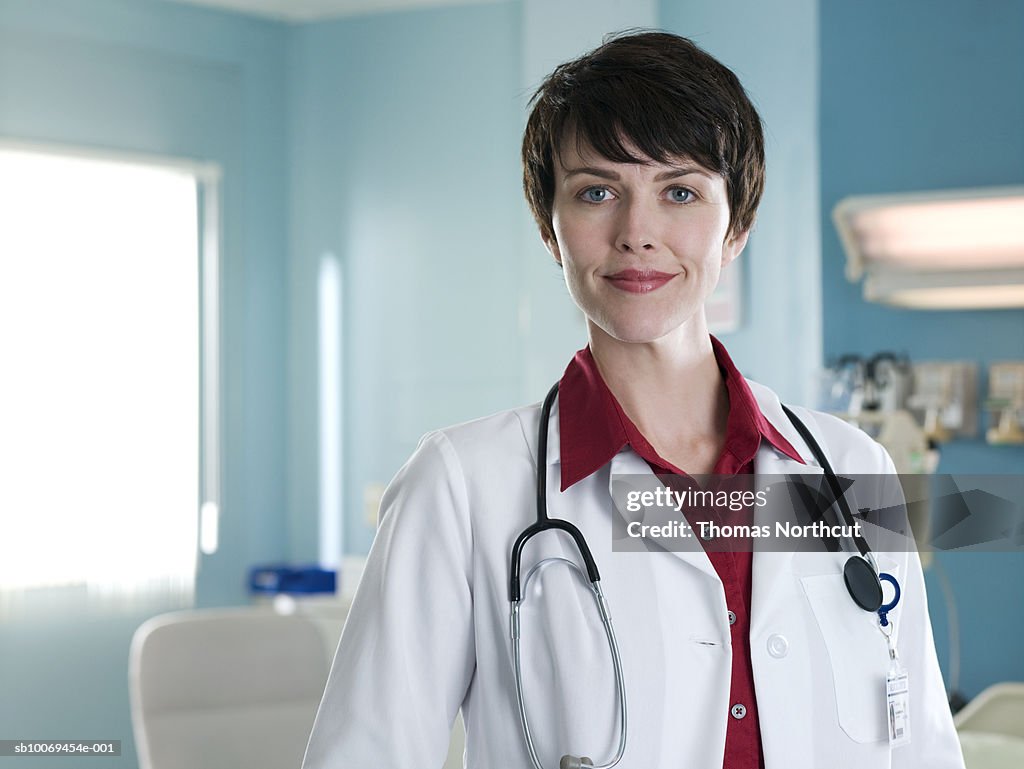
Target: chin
[[640, 328], [636, 333]]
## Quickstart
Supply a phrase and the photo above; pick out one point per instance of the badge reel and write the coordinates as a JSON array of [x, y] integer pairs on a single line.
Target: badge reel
[[897, 687]]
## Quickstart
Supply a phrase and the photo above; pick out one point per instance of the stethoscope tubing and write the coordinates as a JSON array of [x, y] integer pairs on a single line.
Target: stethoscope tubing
[[613, 645], [544, 523]]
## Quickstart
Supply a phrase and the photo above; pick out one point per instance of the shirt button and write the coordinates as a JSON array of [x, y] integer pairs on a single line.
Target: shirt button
[[732, 618], [778, 646], [738, 711]]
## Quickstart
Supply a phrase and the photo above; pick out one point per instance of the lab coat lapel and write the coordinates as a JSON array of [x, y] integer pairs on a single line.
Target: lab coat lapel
[[628, 462], [769, 567]]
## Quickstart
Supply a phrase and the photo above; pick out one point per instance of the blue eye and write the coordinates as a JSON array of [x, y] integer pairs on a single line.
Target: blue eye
[[680, 195], [595, 194]]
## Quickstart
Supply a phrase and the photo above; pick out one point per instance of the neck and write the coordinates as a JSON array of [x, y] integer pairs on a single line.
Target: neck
[[671, 387]]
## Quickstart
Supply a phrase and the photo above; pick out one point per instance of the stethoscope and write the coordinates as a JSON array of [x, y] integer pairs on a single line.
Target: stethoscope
[[860, 574]]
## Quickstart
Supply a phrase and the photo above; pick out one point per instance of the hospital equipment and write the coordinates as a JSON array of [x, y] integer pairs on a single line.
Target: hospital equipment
[[944, 399], [880, 382], [907, 407], [860, 574], [1006, 403], [872, 393]]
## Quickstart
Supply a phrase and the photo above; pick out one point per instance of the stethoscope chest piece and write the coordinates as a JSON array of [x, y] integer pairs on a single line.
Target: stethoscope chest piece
[[862, 583]]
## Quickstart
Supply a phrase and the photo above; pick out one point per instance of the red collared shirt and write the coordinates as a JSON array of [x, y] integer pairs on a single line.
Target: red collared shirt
[[594, 428]]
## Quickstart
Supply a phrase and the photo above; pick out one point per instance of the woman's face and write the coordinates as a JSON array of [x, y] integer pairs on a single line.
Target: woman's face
[[641, 244]]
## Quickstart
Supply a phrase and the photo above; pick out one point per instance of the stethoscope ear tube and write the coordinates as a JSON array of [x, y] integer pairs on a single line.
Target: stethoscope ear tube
[[543, 522], [860, 573], [830, 477]]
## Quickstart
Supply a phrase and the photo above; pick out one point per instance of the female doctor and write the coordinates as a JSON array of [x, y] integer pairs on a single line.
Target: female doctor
[[643, 166]]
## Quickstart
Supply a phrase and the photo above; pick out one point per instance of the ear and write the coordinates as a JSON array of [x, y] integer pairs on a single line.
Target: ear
[[552, 246], [733, 246]]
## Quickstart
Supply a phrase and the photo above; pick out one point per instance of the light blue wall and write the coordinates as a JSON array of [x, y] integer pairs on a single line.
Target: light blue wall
[[404, 164], [170, 80], [773, 49], [404, 157], [925, 95]]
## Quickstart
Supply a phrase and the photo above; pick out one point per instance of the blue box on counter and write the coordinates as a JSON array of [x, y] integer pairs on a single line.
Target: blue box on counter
[[304, 580]]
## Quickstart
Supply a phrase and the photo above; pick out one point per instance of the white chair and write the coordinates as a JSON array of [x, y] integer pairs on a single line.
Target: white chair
[[991, 728], [225, 689], [999, 709], [234, 688]]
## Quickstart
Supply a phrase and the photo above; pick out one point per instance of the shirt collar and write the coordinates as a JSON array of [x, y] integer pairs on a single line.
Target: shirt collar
[[593, 427]]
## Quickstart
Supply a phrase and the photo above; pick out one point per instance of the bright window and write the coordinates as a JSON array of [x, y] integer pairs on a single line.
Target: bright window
[[100, 391]]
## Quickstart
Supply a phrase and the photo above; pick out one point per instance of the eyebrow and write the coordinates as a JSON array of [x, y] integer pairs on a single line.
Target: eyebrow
[[674, 173]]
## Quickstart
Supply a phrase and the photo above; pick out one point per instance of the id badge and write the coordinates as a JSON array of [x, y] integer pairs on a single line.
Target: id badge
[[897, 705]]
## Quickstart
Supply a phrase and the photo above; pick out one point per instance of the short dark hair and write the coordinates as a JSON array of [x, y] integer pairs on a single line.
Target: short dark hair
[[662, 94]]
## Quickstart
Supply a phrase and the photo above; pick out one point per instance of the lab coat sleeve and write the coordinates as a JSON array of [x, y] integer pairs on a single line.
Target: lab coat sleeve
[[406, 654], [934, 743]]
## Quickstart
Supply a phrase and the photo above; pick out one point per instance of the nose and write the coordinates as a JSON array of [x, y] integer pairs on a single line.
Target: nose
[[636, 232]]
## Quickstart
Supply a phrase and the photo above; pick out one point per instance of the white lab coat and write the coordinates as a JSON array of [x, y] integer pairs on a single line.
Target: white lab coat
[[428, 632]]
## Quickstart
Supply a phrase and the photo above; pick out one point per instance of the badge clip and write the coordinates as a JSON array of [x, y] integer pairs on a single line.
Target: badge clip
[[885, 608]]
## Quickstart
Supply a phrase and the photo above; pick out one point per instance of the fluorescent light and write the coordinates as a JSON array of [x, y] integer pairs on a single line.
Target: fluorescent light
[[950, 290], [971, 298], [950, 249]]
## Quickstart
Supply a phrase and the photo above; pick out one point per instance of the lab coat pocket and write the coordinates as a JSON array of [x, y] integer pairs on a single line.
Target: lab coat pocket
[[857, 654]]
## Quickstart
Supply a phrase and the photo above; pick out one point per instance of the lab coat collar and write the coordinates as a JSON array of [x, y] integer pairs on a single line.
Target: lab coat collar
[[626, 462], [598, 426], [553, 458], [768, 460], [771, 408]]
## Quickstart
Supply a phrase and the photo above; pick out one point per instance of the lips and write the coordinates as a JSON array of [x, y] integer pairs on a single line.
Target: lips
[[639, 281]]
